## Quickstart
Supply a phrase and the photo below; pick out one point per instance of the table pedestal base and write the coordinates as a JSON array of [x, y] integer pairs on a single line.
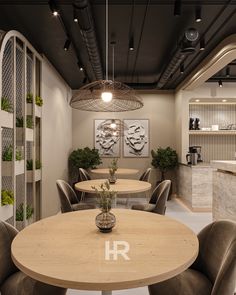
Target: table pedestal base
[[106, 292]]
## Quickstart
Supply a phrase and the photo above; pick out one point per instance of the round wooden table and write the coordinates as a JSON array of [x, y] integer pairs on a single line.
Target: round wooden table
[[122, 186], [67, 250], [120, 171]]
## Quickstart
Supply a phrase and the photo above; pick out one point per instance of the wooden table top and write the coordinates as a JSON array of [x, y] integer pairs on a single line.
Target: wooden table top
[[122, 186], [120, 171], [68, 250]]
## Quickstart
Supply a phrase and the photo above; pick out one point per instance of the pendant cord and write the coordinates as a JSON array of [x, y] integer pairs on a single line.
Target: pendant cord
[[106, 39], [113, 62]]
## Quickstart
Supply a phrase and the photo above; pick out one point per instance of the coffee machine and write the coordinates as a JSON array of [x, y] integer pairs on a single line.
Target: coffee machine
[[194, 155]]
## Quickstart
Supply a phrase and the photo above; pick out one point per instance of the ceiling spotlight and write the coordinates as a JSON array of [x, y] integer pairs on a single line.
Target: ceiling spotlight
[[202, 44], [197, 100], [220, 83], [224, 100], [67, 45], [228, 72], [75, 12], [131, 44], [182, 68], [177, 8], [80, 66], [53, 7], [198, 15]]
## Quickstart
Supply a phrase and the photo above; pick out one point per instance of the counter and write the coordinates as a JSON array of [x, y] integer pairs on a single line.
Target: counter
[[224, 190], [195, 186]]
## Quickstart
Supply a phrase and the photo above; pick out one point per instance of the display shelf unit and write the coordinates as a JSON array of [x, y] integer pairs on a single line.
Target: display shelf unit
[[219, 144], [20, 75]]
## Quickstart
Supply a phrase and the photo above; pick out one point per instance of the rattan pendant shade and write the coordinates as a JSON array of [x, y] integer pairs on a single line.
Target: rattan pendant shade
[[88, 97]]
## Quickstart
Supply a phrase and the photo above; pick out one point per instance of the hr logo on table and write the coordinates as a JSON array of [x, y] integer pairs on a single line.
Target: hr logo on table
[[112, 253]]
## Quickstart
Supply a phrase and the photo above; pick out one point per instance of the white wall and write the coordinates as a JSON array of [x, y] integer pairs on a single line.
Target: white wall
[[158, 108], [56, 136]]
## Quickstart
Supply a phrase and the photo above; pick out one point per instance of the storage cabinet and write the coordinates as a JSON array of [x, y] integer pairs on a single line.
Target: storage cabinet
[[20, 122]]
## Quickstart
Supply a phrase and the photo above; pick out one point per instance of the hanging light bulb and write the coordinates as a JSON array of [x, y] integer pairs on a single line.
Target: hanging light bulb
[[106, 96]]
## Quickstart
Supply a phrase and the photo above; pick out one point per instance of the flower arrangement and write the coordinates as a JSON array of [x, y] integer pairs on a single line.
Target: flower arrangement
[[105, 196]]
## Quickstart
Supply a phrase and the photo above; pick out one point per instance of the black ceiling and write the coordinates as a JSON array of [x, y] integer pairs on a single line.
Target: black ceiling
[[156, 32]]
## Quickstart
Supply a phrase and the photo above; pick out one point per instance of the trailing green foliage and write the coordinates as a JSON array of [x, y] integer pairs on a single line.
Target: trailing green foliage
[[7, 154], [6, 105], [105, 196], [164, 159], [29, 164], [85, 158], [7, 197], [20, 212]]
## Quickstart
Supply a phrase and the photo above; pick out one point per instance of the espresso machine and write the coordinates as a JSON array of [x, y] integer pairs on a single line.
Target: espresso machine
[[194, 155]]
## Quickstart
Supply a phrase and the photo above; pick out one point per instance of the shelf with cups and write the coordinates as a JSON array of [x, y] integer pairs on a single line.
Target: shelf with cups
[[210, 132]]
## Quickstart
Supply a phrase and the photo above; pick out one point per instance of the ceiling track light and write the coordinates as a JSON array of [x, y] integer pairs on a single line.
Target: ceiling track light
[[228, 72], [54, 8], [202, 44], [181, 68], [131, 44], [177, 8], [198, 15], [75, 15], [81, 68], [67, 44], [220, 83]]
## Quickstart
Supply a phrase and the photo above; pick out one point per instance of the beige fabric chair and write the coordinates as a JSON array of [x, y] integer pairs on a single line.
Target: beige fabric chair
[[157, 203], [214, 271], [83, 176], [146, 175], [13, 281], [68, 199]]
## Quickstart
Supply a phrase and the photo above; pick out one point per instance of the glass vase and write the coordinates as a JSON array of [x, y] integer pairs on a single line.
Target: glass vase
[[112, 179], [105, 221]]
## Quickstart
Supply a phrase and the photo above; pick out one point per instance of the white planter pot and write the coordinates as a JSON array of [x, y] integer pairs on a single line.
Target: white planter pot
[[29, 133], [38, 111], [29, 109], [6, 119], [30, 175], [7, 167], [6, 212]]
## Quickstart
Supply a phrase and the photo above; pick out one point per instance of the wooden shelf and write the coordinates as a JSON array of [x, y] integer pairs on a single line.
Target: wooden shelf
[[220, 132]]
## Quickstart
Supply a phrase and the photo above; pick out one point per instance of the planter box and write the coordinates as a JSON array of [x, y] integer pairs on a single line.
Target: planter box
[[20, 135], [7, 167], [30, 175], [38, 110], [6, 212], [6, 119]]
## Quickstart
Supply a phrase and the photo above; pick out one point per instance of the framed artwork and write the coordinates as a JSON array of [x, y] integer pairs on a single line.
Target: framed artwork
[[105, 139], [136, 138]]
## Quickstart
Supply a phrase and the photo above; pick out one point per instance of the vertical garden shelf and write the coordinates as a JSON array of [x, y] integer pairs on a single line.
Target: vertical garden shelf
[[20, 122]]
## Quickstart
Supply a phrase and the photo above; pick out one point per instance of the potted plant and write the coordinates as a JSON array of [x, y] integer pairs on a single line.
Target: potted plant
[[82, 158], [164, 159], [105, 220], [7, 158], [6, 105], [38, 100], [7, 113], [20, 213], [29, 167], [112, 170], [29, 98], [7, 197]]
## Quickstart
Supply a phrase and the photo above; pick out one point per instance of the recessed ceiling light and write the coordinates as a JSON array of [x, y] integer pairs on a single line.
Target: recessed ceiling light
[[177, 8], [198, 15], [220, 83], [202, 44], [54, 8], [197, 100], [224, 100], [67, 45]]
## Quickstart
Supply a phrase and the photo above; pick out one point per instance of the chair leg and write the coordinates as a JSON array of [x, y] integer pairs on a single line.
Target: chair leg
[[82, 196]]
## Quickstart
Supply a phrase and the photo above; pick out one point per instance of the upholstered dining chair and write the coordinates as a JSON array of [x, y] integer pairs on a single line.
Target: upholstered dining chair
[[157, 203], [83, 176], [146, 175], [214, 271], [12, 280], [68, 199]]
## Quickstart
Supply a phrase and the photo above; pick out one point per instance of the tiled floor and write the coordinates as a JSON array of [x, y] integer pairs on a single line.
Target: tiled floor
[[196, 221]]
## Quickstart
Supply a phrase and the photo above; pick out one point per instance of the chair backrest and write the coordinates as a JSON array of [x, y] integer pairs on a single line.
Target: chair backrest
[[146, 175], [7, 234], [160, 196], [67, 195], [217, 256], [83, 175]]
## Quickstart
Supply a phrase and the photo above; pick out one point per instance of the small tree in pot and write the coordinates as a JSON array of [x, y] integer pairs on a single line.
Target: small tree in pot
[[164, 159]]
